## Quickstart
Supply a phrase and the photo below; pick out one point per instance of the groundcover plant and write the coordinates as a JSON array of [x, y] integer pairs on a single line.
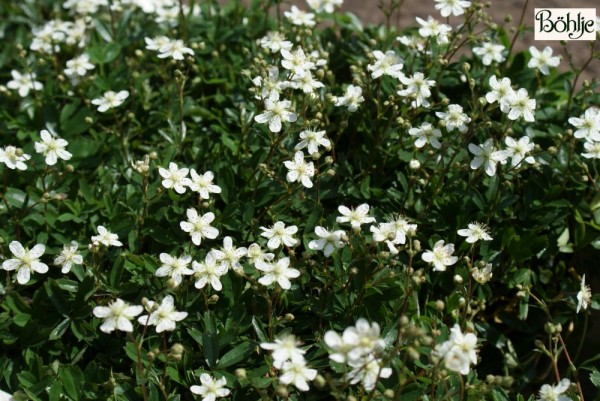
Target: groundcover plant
[[265, 201]]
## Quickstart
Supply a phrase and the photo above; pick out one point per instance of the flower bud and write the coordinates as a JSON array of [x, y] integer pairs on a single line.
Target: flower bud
[[282, 391]]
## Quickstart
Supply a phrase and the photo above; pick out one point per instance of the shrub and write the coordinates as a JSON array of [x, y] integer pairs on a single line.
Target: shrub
[[213, 201]]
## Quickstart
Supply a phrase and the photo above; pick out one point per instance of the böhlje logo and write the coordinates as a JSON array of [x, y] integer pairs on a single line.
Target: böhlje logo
[[565, 23]]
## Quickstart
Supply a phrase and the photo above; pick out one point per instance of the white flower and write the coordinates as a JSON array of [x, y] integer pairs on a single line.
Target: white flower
[[199, 227], [487, 156], [454, 7], [117, 315], [24, 83], [426, 133], [501, 93], [209, 272], [490, 52], [79, 66], [256, 254], [300, 170], [306, 82], [175, 268], [175, 178], [351, 98], [364, 338], [356, 217], [521, 106], [164, 317], [484, 275], [297, 373], [278, 234], [14, 158], [203, 184], [388, 64], [229, 255], [52, 147], [518, 150], [440, 256], [311, 139], [368, 372], [174, 48], [297, 62], [106, 238], [278, 271], [454, 118], [417, 88], [328, 242], [284, 349], [475, 232], [275, 41], [327, 6], [393, 232], [156, 43], [584, 296], [554, 393], [68, 257], [542, 61], [276, 112], [270, 87], [110, 100], [433, 28], [588, 125], [593, 150], [25, 261], [211, 389], [299, 17], [459, 352]]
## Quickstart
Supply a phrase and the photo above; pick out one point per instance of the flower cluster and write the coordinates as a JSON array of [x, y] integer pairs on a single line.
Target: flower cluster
[[289, 359], [360, 347]]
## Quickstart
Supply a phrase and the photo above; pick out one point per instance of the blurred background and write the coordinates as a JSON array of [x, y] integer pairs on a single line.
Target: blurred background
[[370, 13]]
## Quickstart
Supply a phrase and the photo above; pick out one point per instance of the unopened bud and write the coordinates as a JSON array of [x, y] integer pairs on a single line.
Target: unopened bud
[[282, 391], [177, 348]]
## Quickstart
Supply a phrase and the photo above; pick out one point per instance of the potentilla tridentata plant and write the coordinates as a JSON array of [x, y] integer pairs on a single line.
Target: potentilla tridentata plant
[[262, 200]]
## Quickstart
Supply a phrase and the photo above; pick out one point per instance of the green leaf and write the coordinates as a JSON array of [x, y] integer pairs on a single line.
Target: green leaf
[[72, 380], [60, 329], [21, 319], [260, 332], [104, 52], [210, 346], [237, 354], [55, 391], [595, 378]]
